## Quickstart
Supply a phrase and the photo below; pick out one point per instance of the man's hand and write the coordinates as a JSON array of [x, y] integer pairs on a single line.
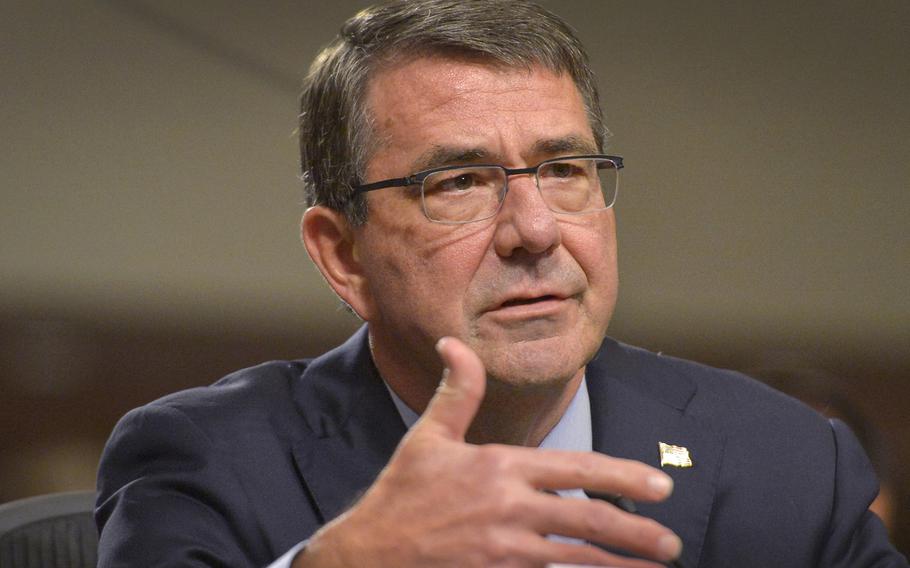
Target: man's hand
[[443, 502]]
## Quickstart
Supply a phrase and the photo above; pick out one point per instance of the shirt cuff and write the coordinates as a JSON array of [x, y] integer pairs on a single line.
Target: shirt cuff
[[287, 558]]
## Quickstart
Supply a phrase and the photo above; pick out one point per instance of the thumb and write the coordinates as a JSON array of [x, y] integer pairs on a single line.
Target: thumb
[[453, 407]]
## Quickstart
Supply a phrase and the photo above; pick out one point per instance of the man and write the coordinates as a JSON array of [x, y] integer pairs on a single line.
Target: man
[[461, 206]]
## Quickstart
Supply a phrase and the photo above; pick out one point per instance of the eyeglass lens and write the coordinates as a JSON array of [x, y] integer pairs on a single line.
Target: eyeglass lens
[[473, 193]]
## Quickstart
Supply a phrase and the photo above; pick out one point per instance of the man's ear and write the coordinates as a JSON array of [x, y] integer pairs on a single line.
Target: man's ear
[[330, 242]]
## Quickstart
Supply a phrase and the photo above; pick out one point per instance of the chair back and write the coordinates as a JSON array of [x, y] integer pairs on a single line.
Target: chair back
[[49, 531]]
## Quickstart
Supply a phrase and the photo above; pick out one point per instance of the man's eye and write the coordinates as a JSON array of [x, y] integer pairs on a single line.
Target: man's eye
[[460, 182], [455, 183], [560, 170]]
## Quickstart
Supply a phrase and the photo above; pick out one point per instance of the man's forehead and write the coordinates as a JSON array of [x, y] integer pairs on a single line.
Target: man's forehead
[[430, 82], [456, 101]]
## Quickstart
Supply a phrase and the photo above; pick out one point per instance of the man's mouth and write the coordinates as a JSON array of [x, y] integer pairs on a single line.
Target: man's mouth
[[527, 301]]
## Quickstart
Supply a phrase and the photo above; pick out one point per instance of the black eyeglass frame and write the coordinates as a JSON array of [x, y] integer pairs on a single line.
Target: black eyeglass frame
[[419, 177]]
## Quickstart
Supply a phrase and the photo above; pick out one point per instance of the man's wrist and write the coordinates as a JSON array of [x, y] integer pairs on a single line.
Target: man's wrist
[[319, 552]]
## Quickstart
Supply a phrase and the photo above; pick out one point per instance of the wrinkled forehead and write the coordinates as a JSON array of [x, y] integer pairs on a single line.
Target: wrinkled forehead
[[431, 84], [473, 108], [432, 65]]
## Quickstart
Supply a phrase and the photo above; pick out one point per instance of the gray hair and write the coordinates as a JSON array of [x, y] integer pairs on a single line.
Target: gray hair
[[336, 138]]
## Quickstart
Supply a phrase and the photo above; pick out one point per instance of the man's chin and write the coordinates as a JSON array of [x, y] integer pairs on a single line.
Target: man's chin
[[539, 362], [539, 333]]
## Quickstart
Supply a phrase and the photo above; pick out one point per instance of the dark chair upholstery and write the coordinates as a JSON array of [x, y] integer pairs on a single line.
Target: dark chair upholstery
[[49, 531]]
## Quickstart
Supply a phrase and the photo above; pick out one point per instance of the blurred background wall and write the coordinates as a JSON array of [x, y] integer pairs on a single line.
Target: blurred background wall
[[148, 222]]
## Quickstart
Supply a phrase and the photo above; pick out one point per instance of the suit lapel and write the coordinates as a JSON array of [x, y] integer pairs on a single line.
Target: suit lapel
[[639, 399], [354, 426]]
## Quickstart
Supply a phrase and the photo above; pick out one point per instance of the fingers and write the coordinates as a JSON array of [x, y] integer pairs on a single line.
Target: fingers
[[596, 521], [531, 547], [556, 469], [591, 471], [589, 520], [458, 397]]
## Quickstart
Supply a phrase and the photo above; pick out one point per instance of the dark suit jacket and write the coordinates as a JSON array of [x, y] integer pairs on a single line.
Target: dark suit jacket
[[237, 473]]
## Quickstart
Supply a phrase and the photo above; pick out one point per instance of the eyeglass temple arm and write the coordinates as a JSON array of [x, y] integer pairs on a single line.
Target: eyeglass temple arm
[[397, 182]]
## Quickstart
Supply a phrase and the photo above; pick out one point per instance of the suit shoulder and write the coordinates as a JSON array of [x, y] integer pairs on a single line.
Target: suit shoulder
[[723, 397], [238, 400]]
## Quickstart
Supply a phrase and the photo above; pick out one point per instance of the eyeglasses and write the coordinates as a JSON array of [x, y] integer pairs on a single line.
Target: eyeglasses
[[463, 194]]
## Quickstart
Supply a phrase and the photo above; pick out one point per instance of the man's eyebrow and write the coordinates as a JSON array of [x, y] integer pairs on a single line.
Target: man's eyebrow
[[564, 145], [438, 156], [447, 155]]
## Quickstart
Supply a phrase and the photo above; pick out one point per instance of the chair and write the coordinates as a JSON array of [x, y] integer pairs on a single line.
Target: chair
[[49, 531]]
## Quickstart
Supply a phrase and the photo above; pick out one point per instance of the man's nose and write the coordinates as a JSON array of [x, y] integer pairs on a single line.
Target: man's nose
[[525, 223]]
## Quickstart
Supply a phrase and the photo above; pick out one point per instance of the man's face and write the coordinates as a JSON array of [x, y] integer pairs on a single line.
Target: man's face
[[531, 291]]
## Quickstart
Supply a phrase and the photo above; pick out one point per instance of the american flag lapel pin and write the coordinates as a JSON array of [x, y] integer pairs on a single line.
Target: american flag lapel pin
[[674, 456]]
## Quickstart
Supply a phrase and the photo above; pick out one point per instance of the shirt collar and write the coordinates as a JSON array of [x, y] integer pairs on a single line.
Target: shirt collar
[[572, 432]]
